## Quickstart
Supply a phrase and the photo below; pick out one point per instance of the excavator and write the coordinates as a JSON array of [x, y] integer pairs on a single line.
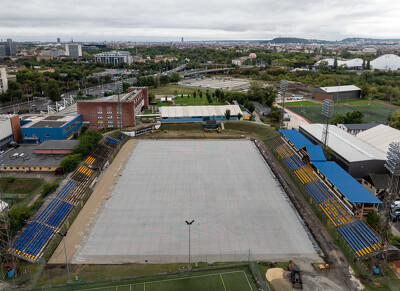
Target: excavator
[[295, 275]]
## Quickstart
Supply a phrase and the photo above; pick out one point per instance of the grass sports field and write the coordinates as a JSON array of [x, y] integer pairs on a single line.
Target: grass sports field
[[224, 280], [375, 112]]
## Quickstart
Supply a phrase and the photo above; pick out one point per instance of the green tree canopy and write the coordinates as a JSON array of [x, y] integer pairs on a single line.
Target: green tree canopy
[[53, 90]]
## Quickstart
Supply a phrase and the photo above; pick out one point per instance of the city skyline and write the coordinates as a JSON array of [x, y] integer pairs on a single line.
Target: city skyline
[[43, 20]]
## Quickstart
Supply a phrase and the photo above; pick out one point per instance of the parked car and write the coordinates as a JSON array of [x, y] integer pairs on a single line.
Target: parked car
[[13, 144]]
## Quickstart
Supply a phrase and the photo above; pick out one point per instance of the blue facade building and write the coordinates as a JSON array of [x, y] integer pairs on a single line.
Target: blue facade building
[[38, 128]]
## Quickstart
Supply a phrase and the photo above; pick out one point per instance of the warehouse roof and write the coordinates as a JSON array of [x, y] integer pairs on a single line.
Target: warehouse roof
[[296, 138], [336, 89], [361, 126], [346, 145], [27, 157], [315, 153], [46, 120], [57, 145], [198, 111], [380, 136], [346, 184]]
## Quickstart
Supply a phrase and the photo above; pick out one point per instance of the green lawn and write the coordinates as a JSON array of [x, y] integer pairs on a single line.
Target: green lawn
[[170, 90], [20, 185], [375, 112], [238, 278]]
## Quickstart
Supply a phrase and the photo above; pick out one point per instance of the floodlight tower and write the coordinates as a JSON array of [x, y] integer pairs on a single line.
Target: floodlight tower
[[327, 112], [283, 90], [393, 165]]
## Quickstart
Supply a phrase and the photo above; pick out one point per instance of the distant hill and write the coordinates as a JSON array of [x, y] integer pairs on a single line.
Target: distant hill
[[289, 40], [368, 40]]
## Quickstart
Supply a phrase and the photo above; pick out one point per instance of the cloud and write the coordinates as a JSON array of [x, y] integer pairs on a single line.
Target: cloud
[[196, 20]]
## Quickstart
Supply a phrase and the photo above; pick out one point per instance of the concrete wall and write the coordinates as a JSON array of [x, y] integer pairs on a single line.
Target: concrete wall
[[6, 168]]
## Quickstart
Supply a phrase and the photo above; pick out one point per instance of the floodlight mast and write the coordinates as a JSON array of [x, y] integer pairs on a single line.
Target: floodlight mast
[[283, 90], [327, 112]]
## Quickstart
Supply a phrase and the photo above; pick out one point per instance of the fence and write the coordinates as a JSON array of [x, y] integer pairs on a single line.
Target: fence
[[258, 277]]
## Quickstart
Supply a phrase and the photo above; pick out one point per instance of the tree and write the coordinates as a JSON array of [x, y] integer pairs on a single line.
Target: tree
[[365, 91], [182, 95], [275, 113], [355, 116], [70, 162], [373, 219], [227, 114], [368, 65], [164, 80], [194, 94], [79, 94], [395, 120], [335, 65], [17, 215], [239, 116], [53, 90], [201, 94], [175, 78]]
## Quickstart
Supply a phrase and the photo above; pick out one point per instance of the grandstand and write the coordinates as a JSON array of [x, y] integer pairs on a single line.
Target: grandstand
[[361, 239], [31, 242]]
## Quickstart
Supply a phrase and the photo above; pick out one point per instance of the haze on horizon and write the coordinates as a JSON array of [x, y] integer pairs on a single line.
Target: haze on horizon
[[152, 20]]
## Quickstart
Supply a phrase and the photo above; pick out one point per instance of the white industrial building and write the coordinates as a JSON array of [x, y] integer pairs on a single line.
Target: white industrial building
[[3, 80], [356, 156], [386, 62], [198, 113], [380, 136], [73, 50], [6, 132], [114, 57]]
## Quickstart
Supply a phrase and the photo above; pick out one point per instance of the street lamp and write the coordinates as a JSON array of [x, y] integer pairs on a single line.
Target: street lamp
[[65, 250], [283, 90], [189, 224]]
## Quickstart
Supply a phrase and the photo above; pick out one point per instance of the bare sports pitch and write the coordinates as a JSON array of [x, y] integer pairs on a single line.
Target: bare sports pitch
[[224, 185]]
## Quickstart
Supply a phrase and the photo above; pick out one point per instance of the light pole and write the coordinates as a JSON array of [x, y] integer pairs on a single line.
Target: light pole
[[189, 224], [65, 250], [283, 90]]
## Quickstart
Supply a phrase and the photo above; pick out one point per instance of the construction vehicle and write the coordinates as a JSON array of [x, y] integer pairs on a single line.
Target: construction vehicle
[[295, 275]]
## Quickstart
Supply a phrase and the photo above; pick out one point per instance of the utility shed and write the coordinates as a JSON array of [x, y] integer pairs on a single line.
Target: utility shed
[[336, 93], [57, 147], [356, 197], [354, 155], [380, 136]]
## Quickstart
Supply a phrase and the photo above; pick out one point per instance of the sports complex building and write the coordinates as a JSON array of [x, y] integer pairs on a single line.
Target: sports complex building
[[198, 113], [339, 196], [354, 155]]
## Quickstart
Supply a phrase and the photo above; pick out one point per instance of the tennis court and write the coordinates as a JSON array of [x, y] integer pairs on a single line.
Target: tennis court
[[224, 281]]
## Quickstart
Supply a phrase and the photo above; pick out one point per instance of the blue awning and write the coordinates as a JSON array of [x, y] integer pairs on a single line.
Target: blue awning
[[345, 183], [315, 153], [296, 138]]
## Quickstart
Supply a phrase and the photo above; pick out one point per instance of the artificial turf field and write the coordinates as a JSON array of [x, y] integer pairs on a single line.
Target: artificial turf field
[[223, 280], [375, 112]]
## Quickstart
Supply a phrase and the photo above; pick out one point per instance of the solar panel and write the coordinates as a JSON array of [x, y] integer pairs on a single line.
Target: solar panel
[[50, 124], [53, 117]]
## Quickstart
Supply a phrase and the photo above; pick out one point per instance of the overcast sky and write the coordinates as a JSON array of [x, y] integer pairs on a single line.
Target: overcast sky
[[154, 20]]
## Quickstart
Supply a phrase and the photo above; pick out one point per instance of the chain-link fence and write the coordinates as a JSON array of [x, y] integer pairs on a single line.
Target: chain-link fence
[[258, 277]]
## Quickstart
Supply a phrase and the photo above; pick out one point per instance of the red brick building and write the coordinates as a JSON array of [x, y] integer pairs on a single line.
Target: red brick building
[[104, 113]]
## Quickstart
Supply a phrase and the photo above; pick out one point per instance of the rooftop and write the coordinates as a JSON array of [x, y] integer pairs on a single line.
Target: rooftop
[[194, 111], [346, 184], [315, 153], [126, 97], [296, 138], [27, 157], [380, 136], [346, 145], [47, 120], [336, 89], [57, 145], [361, 126]]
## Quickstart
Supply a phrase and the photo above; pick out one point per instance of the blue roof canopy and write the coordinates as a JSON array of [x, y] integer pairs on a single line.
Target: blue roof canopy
[[345, 183], [315, 153], [296, 138]]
